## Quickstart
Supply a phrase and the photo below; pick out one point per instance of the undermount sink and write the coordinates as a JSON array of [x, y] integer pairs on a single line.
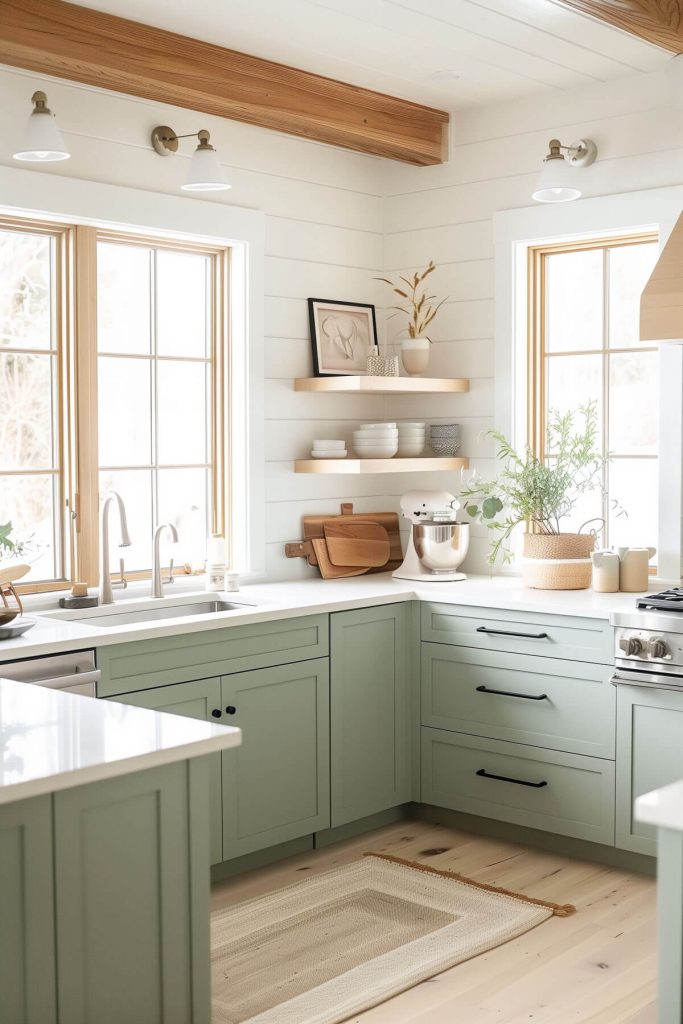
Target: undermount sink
[[175, 611]]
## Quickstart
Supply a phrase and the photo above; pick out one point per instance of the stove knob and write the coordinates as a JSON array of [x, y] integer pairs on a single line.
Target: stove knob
[[633, 645], [658, 648]]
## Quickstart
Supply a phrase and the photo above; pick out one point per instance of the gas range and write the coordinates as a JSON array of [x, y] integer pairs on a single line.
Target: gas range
[[649, 641]]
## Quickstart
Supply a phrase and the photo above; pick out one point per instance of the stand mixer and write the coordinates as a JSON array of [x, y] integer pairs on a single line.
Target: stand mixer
[[438, 544]]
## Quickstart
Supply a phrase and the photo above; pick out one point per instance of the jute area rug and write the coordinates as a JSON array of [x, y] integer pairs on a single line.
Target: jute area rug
[[326, 948]]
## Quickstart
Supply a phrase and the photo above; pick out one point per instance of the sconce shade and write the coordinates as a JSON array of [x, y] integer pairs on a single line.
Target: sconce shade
[[42, 141], [205, 174], [556, 182]]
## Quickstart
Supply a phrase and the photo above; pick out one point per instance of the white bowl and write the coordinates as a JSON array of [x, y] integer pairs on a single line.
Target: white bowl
[[328, 455], [412, 426], [376, 451], [322, 443], [379, 438], [410, 449], [378, 426], [412, 432]]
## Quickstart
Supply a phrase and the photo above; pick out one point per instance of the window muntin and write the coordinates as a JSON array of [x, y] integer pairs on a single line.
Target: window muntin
[[32, 397], [155, 384], [584, 345]]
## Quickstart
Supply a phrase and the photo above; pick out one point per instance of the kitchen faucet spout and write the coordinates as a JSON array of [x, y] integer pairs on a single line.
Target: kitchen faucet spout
[[157, 586], [106, 594]]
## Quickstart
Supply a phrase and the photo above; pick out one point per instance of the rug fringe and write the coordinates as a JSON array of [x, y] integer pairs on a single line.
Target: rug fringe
[[558, 909]]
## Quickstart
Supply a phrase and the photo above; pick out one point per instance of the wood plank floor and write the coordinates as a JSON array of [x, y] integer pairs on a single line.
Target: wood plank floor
[[596, 967]]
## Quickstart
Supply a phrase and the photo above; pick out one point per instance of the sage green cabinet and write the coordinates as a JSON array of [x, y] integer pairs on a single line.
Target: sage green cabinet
[[276, 784], [649, 756], [27, 954], [183, 657], [567, 794], [495, 629], [132, 892], [198, 699], [369, 711], [540, 701]]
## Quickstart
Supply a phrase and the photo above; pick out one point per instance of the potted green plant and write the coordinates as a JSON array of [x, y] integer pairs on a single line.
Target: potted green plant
[[540, 494], [419, 309]]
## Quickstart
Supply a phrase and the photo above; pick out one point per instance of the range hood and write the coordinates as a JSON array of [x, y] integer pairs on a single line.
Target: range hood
[[661, 304]]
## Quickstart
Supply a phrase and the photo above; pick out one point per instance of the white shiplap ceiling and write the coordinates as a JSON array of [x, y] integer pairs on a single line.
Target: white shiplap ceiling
[[447, 53]]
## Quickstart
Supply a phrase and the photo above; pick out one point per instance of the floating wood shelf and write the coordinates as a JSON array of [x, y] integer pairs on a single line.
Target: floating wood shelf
[[420, 465], [384, 385]]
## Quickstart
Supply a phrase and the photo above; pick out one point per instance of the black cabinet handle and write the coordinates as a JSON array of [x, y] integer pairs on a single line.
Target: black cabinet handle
[[505, 632], [231, 709], [503, 778], [216, 713], [509, 693]]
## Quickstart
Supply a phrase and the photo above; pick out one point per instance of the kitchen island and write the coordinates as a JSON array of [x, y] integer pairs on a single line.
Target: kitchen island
[[104, 860], [663, 808]]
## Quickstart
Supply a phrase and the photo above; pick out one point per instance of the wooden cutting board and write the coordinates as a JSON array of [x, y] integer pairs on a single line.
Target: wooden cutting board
[[356, 544], [314, 527], [328, 571]]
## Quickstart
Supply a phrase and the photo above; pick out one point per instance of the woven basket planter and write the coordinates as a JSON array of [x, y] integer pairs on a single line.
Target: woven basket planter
[[557, 561]]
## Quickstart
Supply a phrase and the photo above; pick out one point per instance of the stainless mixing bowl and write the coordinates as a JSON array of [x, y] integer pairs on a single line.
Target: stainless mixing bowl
[[441, 547]]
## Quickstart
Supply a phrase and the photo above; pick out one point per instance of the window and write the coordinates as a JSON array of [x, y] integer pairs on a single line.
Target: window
[[584, 346], [143, 343], [33, 357]]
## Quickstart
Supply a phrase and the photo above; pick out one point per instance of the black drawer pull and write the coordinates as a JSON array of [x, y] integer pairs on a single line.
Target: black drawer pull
[[503, 778], [509, 693], [231, 709], [216, 713], [505, 632]]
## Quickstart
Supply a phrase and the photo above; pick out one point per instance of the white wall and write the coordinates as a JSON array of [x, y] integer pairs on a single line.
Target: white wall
[[334, 219], [446, 213]]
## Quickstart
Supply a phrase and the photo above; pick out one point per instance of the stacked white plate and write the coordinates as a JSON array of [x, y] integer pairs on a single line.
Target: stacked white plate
[[376, 440], [326, 449], [411, 439]]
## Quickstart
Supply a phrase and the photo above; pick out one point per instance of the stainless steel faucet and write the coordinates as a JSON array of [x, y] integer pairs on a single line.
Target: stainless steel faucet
[[106, 594], [157, 586]]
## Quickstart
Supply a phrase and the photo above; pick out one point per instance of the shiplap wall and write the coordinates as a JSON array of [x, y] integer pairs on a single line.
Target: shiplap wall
[[324, 212], [446, 213], [335, 219]]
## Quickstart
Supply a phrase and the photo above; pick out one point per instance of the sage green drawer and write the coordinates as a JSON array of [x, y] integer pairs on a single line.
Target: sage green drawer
[[540, 701], [142, 664], [550, 636], [568, 794]]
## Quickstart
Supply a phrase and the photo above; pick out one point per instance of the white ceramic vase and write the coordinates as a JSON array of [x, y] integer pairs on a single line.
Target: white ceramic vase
[[415, 355]]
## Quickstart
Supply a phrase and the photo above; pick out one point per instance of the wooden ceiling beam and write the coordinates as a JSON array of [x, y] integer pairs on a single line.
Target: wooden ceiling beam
[[657, 21], [63, 39]]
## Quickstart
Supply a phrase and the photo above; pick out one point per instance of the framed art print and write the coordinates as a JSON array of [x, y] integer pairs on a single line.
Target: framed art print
[[342, 336]]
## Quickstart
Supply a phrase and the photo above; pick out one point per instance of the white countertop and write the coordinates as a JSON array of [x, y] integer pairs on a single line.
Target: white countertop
[[662, 807], [51, 740], [56, 631]]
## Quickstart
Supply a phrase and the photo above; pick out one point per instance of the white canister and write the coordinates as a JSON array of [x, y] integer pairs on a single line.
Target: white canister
[[633, 569], [216, 563], [605, 571]]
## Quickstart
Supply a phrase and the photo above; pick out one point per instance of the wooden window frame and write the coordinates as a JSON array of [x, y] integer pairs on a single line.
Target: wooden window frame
[[77, 362], [537, 260]]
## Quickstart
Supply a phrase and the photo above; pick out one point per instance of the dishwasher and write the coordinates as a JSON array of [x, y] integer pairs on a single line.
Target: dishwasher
[[72, 673]]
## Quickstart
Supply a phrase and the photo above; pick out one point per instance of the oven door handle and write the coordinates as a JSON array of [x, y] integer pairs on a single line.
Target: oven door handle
[[648, 681]]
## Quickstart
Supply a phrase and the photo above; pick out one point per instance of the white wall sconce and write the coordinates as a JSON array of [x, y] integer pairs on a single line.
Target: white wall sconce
[[42, 141], [557, 182], [204, 174]]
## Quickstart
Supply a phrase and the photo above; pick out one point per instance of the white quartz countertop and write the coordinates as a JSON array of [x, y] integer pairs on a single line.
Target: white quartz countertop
[[58, 631], [662, 807], [51, 740]]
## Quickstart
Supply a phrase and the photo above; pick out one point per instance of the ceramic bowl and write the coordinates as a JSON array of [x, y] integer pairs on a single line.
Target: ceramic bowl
[[411, 426], [317, 454], [376, 451], [377, 437], [412, 432], [445, 446], [378, 426], [444, 429], [410, 449], [327, 445]]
